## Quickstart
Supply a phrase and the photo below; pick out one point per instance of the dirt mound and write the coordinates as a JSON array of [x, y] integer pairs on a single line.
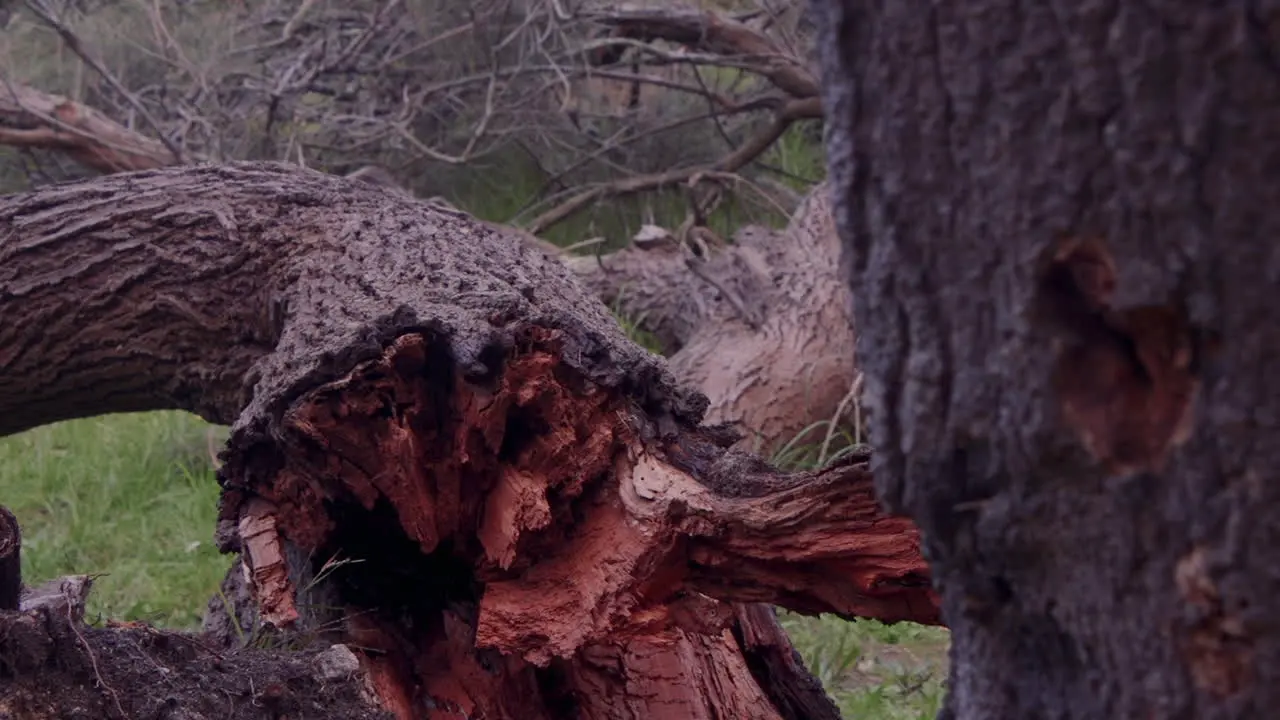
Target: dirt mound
[[54, 666]]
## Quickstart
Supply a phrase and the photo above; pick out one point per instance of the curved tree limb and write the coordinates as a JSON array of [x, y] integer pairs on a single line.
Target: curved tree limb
[[770, 342]]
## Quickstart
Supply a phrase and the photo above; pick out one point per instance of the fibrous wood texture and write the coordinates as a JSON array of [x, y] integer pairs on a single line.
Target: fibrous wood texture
[[444, 451], [1060, 223]]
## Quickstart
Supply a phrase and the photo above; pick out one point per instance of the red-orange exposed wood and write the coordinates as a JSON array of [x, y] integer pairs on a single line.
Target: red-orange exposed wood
[[573, 533]]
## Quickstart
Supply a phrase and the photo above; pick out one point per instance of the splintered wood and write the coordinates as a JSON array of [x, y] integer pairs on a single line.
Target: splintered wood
[[539, 516]]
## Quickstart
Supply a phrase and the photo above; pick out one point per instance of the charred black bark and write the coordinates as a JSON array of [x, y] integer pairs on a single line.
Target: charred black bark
[[10, 561], [1060, 222]]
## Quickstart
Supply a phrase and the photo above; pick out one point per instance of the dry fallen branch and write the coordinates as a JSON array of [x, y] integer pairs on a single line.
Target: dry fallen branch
[[31, 118]]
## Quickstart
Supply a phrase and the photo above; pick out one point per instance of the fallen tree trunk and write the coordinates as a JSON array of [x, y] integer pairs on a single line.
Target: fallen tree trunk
[[762, 327], [443, 451]]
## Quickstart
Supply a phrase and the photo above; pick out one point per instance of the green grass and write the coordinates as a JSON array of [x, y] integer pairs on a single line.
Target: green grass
[[873, 670], [797, 161], [130, 497]]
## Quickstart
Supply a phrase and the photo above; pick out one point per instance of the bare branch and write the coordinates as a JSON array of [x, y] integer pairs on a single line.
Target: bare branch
[[720, 36], [72, 41], [379, 82], [30, 118], [792, 111]]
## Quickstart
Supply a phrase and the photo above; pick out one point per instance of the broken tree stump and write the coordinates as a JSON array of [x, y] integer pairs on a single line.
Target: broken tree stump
[[444, 451]]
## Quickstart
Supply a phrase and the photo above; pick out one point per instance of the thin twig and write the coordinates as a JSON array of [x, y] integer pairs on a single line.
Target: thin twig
[[791, 111], [750, 318], [73, 42]]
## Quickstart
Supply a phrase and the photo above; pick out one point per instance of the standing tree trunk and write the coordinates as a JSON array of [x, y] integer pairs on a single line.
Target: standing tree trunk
[[1060, 224], [444, 452]]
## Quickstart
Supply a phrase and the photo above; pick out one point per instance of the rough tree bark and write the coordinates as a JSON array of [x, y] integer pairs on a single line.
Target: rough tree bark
[[1060, 228], [444, 451]]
